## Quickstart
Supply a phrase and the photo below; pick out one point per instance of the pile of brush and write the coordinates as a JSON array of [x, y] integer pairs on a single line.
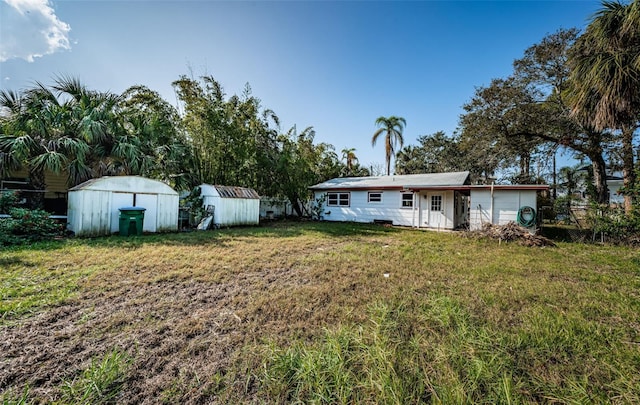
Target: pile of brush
[[510, 232]]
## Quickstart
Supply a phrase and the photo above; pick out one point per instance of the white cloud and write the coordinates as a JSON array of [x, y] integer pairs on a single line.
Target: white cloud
[[30, 29]]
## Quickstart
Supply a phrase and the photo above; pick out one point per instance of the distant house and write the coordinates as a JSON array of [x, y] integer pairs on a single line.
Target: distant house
[[614, 184], [433, 200], [55, 192]]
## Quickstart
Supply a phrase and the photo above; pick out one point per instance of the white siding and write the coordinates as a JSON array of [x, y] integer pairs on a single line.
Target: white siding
[[502, 209], [88, 213], [360, 210]]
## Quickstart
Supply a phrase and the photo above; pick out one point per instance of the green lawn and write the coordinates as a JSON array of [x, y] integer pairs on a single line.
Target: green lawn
[[303, 311]]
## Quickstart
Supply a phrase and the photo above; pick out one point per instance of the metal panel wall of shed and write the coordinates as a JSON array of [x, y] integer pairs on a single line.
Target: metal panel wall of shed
[[237, 211], [167, 213], [150, 203], [88, 213]]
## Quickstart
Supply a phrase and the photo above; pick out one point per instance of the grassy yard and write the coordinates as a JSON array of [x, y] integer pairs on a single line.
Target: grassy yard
[[303, 311]]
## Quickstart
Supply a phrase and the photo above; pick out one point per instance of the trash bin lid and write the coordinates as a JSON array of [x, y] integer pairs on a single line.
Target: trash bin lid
[[132, 209]]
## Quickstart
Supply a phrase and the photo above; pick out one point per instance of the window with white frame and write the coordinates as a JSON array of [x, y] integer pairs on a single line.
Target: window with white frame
[[338, 199], [374, 197], [407, 200], [436, 203]]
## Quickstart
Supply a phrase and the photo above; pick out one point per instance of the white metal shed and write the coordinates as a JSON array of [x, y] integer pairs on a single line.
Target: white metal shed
[[93, 205], [231, 205]]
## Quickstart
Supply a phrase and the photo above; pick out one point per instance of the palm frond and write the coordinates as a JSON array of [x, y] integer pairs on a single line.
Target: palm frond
[[50, 161]]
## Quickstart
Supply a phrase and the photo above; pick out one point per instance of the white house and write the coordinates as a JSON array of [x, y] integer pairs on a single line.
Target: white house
[[93, 206], [615, 182], [231, 206], [434, 200]]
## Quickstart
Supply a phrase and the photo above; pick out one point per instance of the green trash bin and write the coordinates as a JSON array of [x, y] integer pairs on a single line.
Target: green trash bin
[[131, 220]]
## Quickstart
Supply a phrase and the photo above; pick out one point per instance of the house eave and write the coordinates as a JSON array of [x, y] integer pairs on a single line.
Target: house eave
[[536, 187]]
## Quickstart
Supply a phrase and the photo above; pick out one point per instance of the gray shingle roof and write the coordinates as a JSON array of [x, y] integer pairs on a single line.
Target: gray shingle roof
[[401, 181]]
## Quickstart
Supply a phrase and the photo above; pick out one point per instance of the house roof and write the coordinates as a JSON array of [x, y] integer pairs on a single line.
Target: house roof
[[415, 182], [407, 181]]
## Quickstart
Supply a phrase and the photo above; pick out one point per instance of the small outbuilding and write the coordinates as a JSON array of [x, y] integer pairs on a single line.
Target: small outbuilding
[[231, 206], [93, 207]]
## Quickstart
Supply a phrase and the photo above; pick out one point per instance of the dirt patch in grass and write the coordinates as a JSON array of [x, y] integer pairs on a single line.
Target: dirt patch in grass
[[192, 312], [168, 327]]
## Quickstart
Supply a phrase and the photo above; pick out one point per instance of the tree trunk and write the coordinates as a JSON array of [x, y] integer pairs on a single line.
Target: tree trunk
[[388, 149], [295, 204], [555, 177], [600, 179], [628, 172]]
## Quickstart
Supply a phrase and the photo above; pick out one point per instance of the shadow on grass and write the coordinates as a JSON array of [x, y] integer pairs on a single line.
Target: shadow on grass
[[218, 237]]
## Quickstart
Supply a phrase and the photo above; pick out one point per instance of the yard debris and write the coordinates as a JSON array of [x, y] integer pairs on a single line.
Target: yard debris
[[510, 232]]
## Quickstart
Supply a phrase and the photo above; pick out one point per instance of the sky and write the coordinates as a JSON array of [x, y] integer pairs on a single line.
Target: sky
[[333, 65]]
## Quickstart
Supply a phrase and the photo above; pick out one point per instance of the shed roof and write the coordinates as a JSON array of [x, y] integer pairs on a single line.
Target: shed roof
[[130, 184], [235, 192], [406, 181]]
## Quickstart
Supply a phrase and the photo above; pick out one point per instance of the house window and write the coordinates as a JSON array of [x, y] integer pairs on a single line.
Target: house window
[[374, 197], [338, 199], [407, 200], [436, 203]]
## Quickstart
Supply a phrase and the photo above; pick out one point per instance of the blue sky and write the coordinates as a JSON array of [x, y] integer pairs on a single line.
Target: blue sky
[[333, 65]]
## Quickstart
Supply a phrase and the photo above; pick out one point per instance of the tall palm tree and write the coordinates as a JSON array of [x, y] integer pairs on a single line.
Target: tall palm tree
[[349, 155], [392, 128], [605, 63]]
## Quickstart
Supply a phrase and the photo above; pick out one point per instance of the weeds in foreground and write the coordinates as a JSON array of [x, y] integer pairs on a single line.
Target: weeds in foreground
[[433, 351], [12, 398], [100, 383]]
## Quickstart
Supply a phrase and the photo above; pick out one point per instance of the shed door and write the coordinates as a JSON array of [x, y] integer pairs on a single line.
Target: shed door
[[435, 205], [119, 200], [150, 202]]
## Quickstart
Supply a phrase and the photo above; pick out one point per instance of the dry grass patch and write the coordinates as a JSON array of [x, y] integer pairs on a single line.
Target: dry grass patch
[[201, 315]]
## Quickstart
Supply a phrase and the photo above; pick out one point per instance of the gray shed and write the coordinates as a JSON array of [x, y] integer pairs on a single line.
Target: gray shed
[[231, 205], [93, 205]]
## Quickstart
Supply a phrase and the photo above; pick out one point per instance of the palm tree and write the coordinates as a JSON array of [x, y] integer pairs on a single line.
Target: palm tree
[[392, 128], [605, 63], [349, 155], [64, 129]]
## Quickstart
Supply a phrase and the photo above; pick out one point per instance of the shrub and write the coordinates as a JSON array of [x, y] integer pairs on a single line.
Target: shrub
[[616, 226], [8, 200], [25, 225]]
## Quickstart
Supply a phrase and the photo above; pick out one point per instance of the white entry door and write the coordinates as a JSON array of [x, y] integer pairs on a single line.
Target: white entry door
[[435, 206]]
